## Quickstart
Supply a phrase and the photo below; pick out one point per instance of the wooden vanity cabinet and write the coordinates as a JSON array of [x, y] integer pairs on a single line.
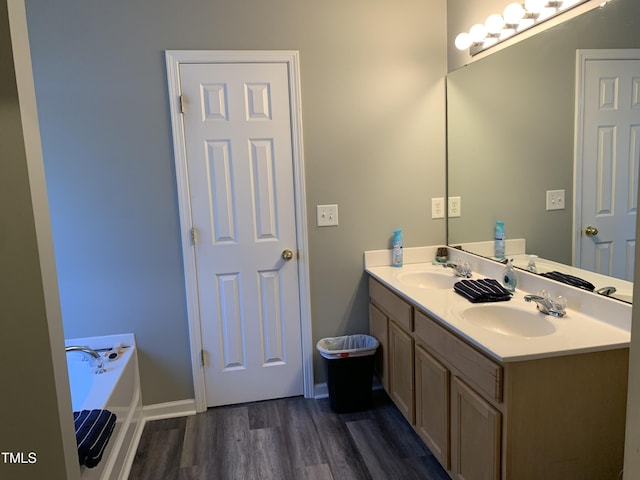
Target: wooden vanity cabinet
[[458, 424], [556, 418], [565, 417], [391, 322]]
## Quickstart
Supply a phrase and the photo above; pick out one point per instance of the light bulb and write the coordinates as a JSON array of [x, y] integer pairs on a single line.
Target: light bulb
[[547, 12], [478, 33], [494, 23], [506, 33], [489, 42], [463, 41], [525, 23], [567, 4], [513, 13], [534, 6]]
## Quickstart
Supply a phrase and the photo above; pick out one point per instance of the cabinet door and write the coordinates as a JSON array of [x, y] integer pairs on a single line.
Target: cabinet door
[[378, 324], [401, 370], [432, 404], [475, 435]]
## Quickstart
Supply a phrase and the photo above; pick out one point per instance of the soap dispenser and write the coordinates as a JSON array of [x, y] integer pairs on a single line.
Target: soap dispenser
[[397, 248], [509, 276]]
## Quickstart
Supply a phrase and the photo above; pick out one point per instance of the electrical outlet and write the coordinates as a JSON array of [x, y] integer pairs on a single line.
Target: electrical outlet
[[437, 207], [327, 215], [555, 199], [455, 207]]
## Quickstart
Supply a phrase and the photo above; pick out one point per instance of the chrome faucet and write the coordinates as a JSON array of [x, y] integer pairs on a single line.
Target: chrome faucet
[[96, 359], [462, 269], [548, 305], [606, 291]]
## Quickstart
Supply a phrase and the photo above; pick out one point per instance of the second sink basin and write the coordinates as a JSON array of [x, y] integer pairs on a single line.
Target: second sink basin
[[436, 279], [508, 320]]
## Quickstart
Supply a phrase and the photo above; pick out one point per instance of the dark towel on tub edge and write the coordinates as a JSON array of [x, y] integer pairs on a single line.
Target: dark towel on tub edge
[[93, 430], [482, 290], [569, 280]]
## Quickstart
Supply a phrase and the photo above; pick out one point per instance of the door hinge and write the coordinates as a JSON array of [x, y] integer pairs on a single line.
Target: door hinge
[[194, 236], [182, 104], [203, 358]]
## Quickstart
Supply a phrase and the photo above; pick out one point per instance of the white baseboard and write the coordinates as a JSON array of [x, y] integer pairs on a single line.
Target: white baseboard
[[159, 411]]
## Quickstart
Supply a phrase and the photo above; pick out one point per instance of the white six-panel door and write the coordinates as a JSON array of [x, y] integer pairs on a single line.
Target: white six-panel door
[[237, 131], [610, 147]]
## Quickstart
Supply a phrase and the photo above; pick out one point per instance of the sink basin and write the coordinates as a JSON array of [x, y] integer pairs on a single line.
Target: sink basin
[[507, 320], [427, 279]]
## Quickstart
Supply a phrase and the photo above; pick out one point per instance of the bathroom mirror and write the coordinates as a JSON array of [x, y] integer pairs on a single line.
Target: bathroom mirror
[[511, 122]]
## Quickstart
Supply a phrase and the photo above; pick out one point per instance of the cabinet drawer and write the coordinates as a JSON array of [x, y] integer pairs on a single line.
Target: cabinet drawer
[[478, 370], [391, 304]]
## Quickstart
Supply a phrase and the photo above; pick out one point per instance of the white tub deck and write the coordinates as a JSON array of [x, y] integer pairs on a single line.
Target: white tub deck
[[116, 390]]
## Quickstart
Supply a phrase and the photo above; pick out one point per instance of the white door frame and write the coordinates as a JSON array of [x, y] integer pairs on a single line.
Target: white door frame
[[582, 56], [173, 59]]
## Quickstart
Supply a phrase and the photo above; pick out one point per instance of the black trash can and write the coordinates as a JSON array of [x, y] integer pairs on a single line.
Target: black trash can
[[350, 362]]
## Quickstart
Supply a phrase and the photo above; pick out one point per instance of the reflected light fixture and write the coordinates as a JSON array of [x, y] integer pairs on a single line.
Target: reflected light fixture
[[513, 14], [516, 18]]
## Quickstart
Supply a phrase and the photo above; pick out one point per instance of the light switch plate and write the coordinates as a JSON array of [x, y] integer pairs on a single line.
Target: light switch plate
[[327, 215], [555, 200]]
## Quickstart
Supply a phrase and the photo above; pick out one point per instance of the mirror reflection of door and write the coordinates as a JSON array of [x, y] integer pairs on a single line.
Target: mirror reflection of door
[[607, 155], [511, 129]]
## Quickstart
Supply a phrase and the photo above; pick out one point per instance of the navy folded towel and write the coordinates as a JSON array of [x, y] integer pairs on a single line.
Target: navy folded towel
[[570, 280], [93, 430], [482, 290]]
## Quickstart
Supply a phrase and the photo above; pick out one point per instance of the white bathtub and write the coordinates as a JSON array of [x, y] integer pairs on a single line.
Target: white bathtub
[[116, 390]]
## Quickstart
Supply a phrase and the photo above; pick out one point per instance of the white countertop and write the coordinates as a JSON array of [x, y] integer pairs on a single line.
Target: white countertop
[[592, 323]]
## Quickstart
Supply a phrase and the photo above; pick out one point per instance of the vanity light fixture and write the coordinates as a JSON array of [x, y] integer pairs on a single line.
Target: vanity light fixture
[[516, 18]]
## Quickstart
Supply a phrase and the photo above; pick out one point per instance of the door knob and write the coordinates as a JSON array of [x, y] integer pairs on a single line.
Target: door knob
[[287, 254], [591, 231]]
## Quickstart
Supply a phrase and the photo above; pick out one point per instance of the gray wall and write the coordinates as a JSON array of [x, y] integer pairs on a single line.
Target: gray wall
[[511, 131], [29, 405], [374, 142]]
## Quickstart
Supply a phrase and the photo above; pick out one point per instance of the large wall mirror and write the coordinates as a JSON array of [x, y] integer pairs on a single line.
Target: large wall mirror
[[511, 132]]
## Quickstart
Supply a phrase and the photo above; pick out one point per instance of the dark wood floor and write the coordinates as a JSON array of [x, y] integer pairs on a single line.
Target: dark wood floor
[[291, 438]]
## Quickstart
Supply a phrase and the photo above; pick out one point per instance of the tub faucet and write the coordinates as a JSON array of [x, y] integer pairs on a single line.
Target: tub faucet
[[549, 305], [96, 359], [606, 291]]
